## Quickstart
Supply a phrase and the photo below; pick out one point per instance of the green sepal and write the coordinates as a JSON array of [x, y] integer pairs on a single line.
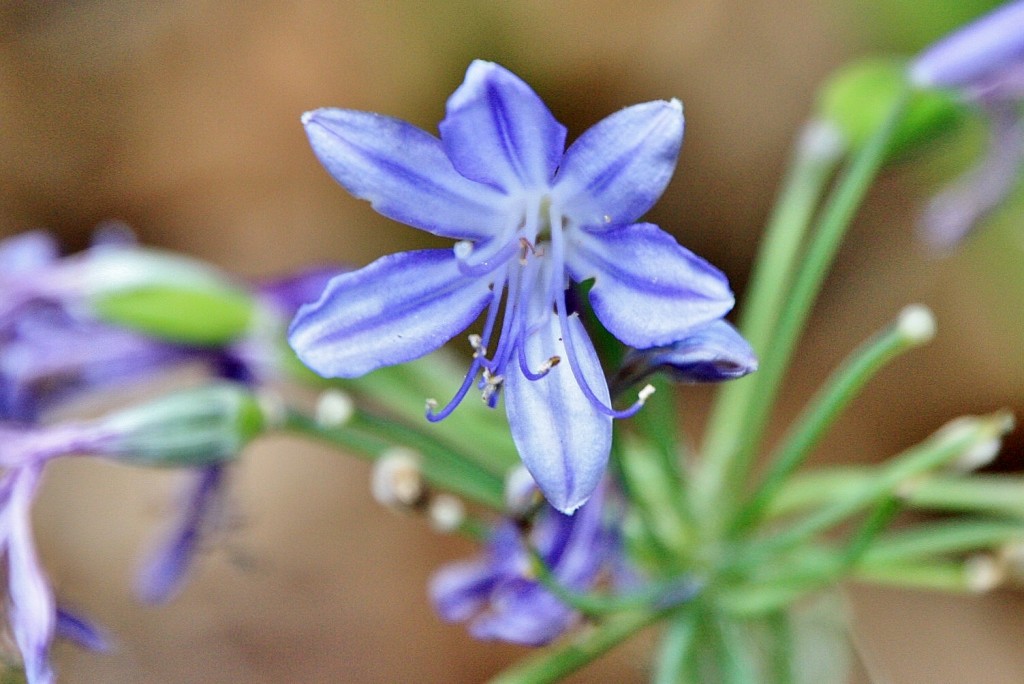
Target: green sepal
[[189, 428], [210, 317], [859, 97]]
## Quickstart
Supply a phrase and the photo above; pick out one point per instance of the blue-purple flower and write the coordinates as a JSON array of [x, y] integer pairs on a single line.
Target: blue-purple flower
[[498, 595], [984, 61], [530, 217], [715, 352]]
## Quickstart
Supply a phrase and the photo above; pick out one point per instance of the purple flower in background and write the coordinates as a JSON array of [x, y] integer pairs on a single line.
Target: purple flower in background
[[529, 217], [984, 61], [712, 353], [496, 594]]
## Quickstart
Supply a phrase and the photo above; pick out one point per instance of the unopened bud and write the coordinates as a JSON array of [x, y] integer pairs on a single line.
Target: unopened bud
[[446, 513], [521, 492], [983, 573], [188, 428], [334, 408], [916, 323], [397, 479]]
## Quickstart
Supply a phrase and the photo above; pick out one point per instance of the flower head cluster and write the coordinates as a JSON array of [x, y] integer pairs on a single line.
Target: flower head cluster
[[498, 595], [984, 61], [530, 217]]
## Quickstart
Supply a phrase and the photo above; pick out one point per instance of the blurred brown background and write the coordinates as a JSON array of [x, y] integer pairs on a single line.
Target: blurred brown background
[[182, 118]]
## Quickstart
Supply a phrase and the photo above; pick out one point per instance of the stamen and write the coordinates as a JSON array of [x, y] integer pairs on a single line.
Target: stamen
[[558, 265], [544, 369]]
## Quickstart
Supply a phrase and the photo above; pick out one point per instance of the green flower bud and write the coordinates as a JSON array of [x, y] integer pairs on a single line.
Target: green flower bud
[[859, 97], [189, 428], [167, 296]]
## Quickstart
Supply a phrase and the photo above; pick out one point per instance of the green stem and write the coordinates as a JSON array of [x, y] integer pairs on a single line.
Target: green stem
[[726, 468], [370, 436], [814, 160], [944, 446], [837, 393], [575, 652], [676, 651], [996, 495]]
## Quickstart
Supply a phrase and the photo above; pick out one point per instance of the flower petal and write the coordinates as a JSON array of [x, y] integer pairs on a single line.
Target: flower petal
[[164, 573], [498, 131], [711, 353], [523, 612], [563, 440], [398, 308], [83, 632], [460, 590], [403, 172], [26, 252], [993, 42], [618, 169], [33, 613], [655, 296]]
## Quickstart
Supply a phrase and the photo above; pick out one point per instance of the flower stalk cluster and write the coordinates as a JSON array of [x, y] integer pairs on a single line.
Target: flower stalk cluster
[[590, 505]]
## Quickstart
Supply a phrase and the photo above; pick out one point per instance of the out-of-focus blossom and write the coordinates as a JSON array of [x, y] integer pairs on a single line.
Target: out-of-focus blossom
[[202, 427], [984, 61], [712, 353], [497, 594], [530, 217]]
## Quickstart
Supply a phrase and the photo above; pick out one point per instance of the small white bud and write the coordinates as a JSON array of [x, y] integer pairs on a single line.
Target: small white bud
[[978, 456], [521, 492], [446, 513], [983, 573], [397, 480], [821, 139], [916, 323], [462, 249], [334, 408]]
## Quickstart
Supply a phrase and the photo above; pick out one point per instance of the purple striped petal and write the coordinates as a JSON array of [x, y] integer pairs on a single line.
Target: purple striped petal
[[656, 295], [398, 308], [711, 353], [618, 169], [529, 615], [33, 612], [76, 628], [460, 590], [498, 131], [26, 252], [403, 172], [993, 43], [563, 440], [164, 572]]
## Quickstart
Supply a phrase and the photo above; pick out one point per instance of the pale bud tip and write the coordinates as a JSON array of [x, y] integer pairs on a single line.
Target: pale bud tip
[[821, 139], [983, 573], [916, 323], [446, 512], [978, 456], [521, 492], [334, 408], [397, 480]]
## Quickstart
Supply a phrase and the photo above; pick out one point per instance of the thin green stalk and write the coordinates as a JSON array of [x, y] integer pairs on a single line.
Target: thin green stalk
[[676, 651], [949, 443], [815, 157], [733, 650], [938, 575], [726, 468], [781, 656], [914, 326], [943, 538], [567, 656], [996, 495], [370, 436]]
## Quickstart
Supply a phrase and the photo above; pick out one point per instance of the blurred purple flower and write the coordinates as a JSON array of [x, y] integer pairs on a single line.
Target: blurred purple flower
[[201, 512], [984, 61], [496, 594], [530, 216], [712, 353]]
